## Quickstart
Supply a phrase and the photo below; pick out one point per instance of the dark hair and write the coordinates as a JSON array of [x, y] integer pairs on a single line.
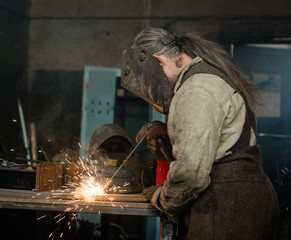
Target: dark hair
[[211, 52]]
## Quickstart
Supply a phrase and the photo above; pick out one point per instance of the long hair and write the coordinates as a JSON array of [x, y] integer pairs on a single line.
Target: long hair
[[211, 52]]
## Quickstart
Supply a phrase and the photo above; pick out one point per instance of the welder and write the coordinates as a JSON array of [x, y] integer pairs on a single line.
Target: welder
[[216, 187]]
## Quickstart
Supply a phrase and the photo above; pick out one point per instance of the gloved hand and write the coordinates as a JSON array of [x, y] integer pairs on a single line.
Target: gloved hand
[[153, 194], [159, 129]]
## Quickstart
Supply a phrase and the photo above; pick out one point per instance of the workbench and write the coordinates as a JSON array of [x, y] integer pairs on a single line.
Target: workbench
[[30, 200]]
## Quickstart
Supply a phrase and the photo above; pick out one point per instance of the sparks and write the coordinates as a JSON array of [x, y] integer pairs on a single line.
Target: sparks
[[89, 188], [60, 219], [86, 183], [41, 217]]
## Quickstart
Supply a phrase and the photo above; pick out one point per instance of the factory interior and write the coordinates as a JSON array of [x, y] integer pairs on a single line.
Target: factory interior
[[61, 99]]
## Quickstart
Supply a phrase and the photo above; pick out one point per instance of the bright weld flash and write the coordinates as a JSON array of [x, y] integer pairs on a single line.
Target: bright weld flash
[[89, 189]]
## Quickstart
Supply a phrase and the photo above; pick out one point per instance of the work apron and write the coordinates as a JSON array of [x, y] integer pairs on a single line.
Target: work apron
[[240, 203]]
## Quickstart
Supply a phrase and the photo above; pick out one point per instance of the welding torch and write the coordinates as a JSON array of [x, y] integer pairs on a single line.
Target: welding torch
[[164, 149], [160, 142]]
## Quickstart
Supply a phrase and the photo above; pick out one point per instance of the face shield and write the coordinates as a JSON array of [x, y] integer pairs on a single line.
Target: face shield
[[142, 75]]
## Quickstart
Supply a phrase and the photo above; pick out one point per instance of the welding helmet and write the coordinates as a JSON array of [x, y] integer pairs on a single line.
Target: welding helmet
[[109, 146], [142, 75], [109, 139], [107, 131]]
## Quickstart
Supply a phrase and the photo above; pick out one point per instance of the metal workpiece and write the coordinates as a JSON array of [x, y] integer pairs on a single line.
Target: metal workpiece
[[120, 204]]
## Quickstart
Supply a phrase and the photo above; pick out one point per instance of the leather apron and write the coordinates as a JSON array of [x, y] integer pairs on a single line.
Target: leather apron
[[240, 203]]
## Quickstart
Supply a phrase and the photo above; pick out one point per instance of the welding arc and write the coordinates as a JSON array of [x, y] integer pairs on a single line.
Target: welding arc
[[129, 155]]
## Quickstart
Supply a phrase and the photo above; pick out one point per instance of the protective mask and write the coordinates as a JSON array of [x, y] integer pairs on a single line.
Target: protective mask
[[142, 75]]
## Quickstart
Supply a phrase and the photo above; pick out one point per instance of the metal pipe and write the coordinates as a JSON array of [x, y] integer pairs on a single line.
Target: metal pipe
[[24, 133]]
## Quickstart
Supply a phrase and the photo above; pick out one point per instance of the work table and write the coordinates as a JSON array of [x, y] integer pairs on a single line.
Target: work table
[[122, 204]]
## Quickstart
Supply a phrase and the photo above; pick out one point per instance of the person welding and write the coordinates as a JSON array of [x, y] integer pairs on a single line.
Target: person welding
[[216, 187]]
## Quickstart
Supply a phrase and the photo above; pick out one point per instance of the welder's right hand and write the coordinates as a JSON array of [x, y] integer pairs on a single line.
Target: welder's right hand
[[157, 129]]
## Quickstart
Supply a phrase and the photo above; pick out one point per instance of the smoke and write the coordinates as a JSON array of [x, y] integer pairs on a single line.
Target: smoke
[[56, 109]]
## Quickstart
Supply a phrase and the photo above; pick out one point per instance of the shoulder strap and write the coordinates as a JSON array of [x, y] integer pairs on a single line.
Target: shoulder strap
[[203, 67]]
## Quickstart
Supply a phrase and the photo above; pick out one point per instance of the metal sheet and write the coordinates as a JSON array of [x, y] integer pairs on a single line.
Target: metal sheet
[[29, 200], [106, 197]]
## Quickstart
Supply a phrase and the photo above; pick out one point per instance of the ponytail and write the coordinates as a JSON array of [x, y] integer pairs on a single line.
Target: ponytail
[[215, 55], [194, 45]]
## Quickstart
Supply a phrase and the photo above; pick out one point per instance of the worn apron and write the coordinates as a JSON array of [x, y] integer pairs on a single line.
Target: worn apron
[[240, 203]]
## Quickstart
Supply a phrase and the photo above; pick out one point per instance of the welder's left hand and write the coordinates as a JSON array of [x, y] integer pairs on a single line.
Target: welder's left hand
[[153, 194]]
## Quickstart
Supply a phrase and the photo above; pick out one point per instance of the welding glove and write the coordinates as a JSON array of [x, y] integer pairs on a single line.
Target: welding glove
[[158, 129], [153, 194]]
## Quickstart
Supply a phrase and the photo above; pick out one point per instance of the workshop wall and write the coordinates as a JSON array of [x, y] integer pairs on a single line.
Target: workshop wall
[[13, 37], [14, 23], [72, 33], [67, 35]]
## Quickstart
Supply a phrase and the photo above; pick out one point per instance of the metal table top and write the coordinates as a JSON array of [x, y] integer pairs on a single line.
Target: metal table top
[[121, 204]]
